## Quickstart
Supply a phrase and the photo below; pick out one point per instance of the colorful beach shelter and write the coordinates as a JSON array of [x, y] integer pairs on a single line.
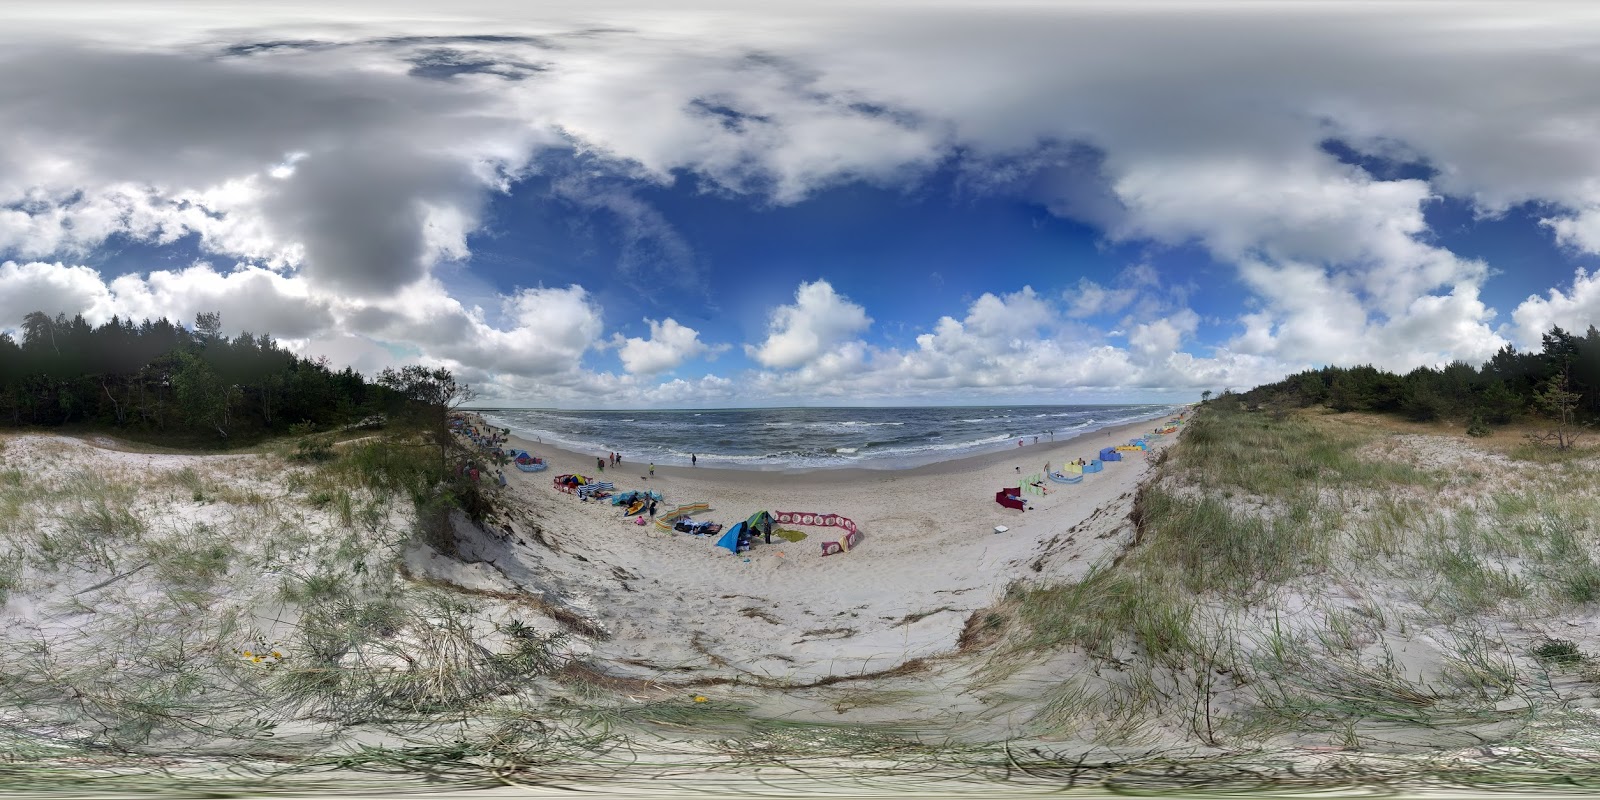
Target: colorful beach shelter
[[1011, 498], [1110, 454], [730, 539], [758, 519]]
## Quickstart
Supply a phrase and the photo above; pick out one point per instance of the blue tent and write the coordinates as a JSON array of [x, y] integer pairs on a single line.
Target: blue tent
[[1110, 454], [731, 538]]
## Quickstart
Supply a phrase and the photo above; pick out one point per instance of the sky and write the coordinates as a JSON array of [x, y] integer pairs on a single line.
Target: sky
[[647, 205]]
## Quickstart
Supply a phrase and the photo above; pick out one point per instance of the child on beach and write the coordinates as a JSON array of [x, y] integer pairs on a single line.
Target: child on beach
[[600, 464]]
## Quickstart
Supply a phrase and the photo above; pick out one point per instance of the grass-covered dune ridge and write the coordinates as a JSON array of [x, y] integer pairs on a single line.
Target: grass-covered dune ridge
[[1302, 581], [1290, 599]]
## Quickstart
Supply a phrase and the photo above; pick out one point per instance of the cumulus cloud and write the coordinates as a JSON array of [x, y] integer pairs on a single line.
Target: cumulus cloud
[[1574, 309], [388, 173], [670, 344], [341, 163], [50, 288], [802, 332]]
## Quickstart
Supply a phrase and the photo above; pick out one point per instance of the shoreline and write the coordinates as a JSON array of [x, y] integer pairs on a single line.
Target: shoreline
[[936, 549], [1030, 457], [1036, 454]]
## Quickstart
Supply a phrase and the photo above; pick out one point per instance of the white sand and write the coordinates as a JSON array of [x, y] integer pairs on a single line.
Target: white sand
[[679, 608]]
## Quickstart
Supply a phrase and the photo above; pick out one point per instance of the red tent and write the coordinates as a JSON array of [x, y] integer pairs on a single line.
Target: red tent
[[1011, 498]]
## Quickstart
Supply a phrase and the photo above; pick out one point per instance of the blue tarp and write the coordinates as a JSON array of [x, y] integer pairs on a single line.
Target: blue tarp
[[730, 539], [1110, 454]]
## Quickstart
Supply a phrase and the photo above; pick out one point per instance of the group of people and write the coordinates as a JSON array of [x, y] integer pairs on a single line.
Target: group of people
[[611, 458]]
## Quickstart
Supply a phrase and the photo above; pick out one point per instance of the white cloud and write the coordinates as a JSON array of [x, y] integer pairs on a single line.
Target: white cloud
[[818, 320], [344, 177], [1574, 310], [670, 344], [1580, 230], [50, 288]]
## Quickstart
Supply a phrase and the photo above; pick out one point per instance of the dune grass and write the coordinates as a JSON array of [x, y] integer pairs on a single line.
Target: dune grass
[[1250, 509], [386, 683]]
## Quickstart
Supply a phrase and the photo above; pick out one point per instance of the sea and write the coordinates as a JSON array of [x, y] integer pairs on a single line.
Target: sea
[[812, 438]]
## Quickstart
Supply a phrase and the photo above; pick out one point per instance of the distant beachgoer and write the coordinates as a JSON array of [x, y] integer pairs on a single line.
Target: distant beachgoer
[[652, 509], [1052, 436], [1019, 470], [1019, 442], [766, 530], [652, 469], [693, 461], [1035, 440], [619, 458], [601, 464]]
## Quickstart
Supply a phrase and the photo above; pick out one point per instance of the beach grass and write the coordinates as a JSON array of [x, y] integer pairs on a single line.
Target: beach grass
[[1195, 668], [1251, 509]]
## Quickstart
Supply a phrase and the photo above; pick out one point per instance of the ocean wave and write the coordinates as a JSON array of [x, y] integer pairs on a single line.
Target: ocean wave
[[799, 440]]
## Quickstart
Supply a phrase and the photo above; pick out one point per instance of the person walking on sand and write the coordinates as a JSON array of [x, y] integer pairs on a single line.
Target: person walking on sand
[[652, 469]]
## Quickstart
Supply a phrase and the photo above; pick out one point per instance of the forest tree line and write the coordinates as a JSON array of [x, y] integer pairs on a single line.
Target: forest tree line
[[165, 379], [1509, 386]]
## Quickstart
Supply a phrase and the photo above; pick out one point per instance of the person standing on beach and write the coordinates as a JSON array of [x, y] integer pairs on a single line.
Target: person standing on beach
[[601, 464], [693, 461], [652, 469], [652, 509]]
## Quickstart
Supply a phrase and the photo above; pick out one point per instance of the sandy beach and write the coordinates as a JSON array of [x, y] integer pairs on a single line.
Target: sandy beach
[[673, 605]]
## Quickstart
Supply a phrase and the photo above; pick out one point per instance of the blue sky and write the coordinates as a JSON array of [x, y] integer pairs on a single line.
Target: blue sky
[[715, 205]]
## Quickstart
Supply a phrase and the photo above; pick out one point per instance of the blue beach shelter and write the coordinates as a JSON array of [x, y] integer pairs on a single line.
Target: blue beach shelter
[[1110, 454], [1093, 466], [730, 539]]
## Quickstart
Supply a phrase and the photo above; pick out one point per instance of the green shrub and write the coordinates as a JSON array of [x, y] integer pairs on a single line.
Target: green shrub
[[314, 448], [1477, 427]]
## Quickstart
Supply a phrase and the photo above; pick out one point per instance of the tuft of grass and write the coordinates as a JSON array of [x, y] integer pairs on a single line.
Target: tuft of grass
[[1213, 548], [195, 560], [1560, 652], [1106, 606]]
